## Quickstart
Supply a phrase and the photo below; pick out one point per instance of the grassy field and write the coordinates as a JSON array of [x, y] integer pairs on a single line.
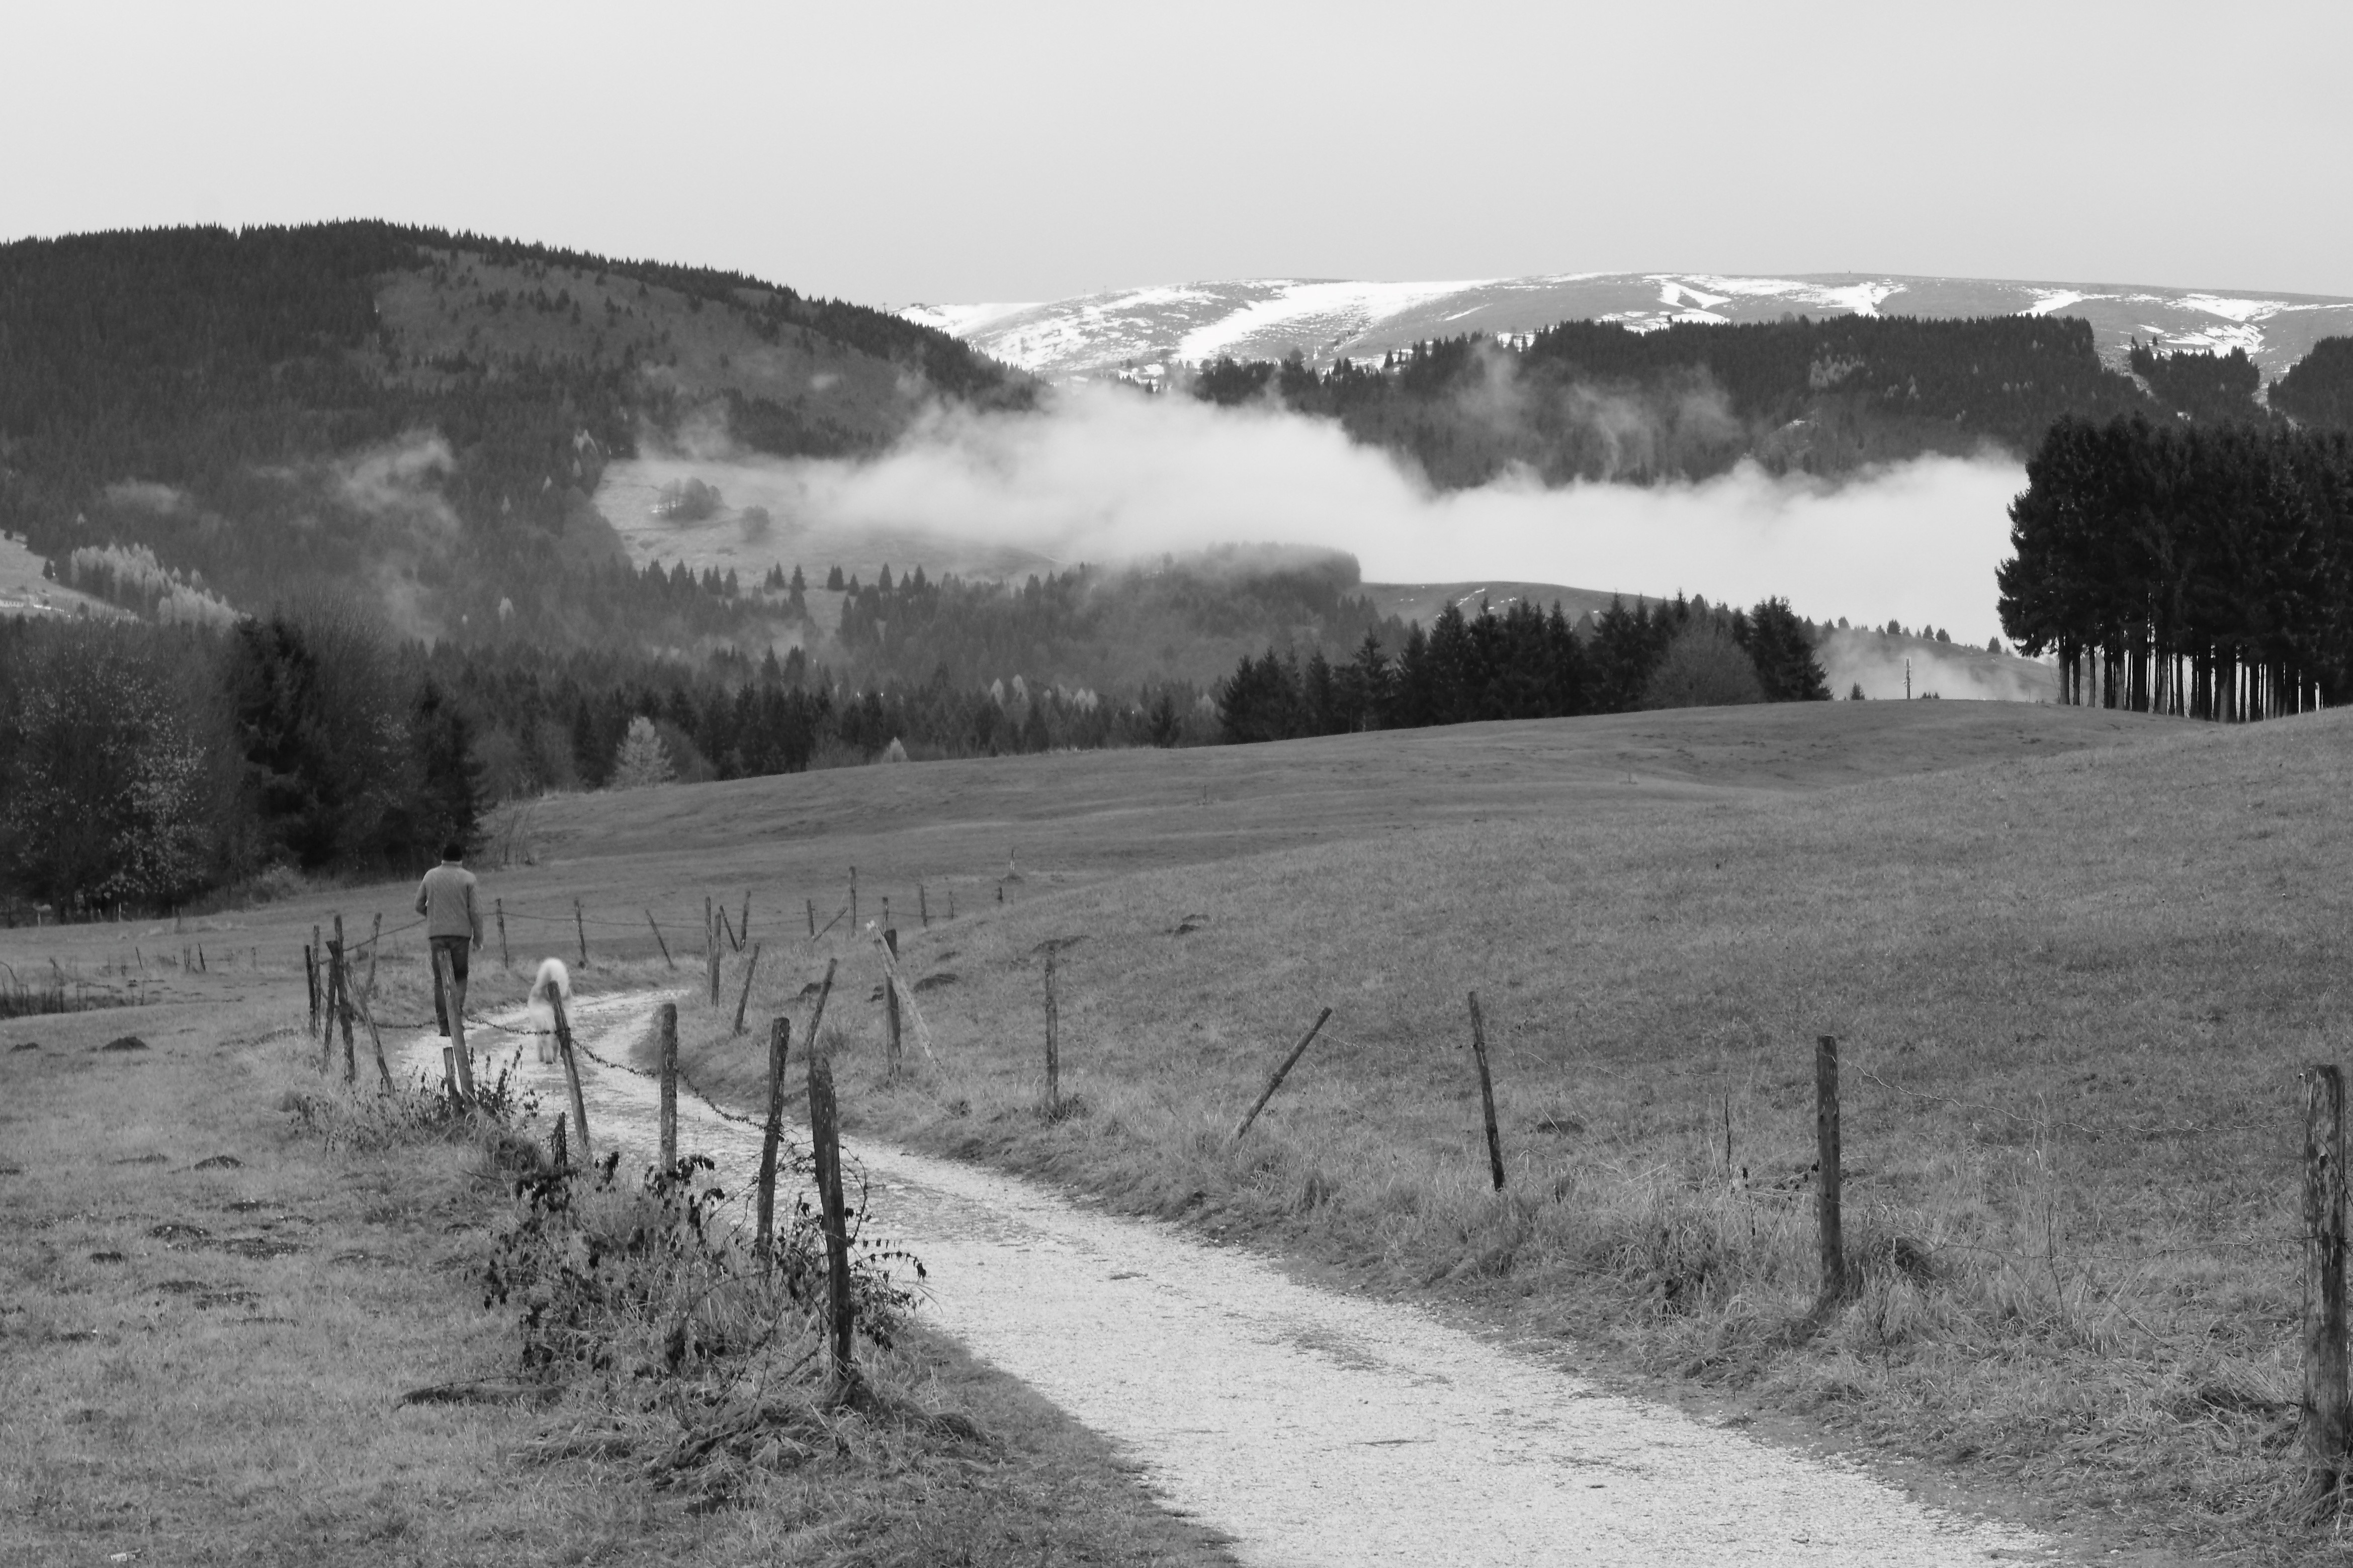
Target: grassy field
[[2074, 959], [209, 1314]]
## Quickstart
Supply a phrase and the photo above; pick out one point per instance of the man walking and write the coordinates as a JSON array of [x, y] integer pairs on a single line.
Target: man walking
[[446, 899]]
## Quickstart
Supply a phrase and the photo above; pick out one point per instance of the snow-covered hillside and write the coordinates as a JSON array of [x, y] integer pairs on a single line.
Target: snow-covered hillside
[[1138, 333]]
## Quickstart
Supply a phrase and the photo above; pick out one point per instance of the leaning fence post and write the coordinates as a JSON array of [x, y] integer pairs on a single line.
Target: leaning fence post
[[375, 942], [780, 1035], [334, 994], [891, 1006], [924, 905], [751, 966], [658, 942], [743, 926], [1826, 1150], [824, 1140], [309, 980], [453, 1009], [570, 1075], [383, 1069], [1486, 1093], [667, 1021], [1054, 1064], [812, 914], [341, 1007], [853, 901], [580, 923], [505, 961], [2327, 1425], [1280, 1073]]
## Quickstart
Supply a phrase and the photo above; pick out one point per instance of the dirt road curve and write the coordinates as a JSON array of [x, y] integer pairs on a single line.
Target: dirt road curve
[[1316, 1427]]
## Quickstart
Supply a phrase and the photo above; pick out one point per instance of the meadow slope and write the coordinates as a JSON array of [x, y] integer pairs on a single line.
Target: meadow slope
[[2075, 959]]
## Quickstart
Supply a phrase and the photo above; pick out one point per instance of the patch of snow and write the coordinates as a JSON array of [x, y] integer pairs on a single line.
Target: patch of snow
[[959, 321], [1336, 310], [2046, 300]]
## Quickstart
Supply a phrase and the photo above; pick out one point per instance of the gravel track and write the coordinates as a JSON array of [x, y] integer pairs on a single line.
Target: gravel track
[[1314, 1427]]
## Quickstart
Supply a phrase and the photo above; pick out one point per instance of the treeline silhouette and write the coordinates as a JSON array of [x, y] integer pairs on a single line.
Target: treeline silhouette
[[143, 764], [2185, 569], [233, 403], [1596, 400], [1527, 663]]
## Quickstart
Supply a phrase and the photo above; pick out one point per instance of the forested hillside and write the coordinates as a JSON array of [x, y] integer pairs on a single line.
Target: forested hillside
[[1590, 400], [414, 415]]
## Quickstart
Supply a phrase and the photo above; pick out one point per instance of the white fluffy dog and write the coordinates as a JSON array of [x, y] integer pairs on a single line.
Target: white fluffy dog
[[554, 981]]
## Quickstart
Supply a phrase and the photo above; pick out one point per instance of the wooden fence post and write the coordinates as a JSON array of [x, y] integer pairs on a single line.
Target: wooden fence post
[[658, 942], [780, 1036], [342, 992], [1054, 1064], [1486, 1093], [812, 914], [667, 1021], [853, 902], [571, 1076], [453, 1009], [2327, 1425], [1280, 1073], [710, 927], [711, 961], [924, 905], [383, 1069], [824, 1139], [309, 980], [891, 1007], [751, 967], [375, 942], [580, 923], [743, 926], [319, 961], [333, 961], [506, 960], [1826, 1152]]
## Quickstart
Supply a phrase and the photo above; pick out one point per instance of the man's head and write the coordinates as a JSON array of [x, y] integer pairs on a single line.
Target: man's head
[[452, 853]]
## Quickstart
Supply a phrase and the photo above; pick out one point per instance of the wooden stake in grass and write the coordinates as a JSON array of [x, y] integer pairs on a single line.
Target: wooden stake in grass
[[2328, 1424], [1486, 1093], [375, 942], [1280, 1073], [383, 1069], [571, 1076], [659, 942], [824, 1140], [711, 958], [1826, 1147], [812, 914], [334, 997], [666, 1022], [743, 926], [343, 991], [744, 1000], [309, 980], [853, 898], [891, 1007], [506, 960], [580, 923], [924, 905], [1054, 1063], [453, 1009], [780, 1035]]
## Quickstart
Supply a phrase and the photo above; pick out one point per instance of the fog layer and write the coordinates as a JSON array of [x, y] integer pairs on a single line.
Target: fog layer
[[1108, 475]]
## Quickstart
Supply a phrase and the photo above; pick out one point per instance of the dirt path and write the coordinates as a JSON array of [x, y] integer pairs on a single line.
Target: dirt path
[[1316, 1427]]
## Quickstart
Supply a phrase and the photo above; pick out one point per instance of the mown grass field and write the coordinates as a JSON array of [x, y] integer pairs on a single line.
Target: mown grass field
[[2074, 959]]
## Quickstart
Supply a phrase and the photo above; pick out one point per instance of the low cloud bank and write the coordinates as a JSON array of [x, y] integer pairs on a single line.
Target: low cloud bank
[[1109, 475]]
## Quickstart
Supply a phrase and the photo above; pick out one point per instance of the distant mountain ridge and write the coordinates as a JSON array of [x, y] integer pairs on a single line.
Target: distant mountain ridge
[[1138, 333]]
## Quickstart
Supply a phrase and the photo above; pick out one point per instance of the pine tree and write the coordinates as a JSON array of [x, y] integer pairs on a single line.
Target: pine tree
[[642, 759]]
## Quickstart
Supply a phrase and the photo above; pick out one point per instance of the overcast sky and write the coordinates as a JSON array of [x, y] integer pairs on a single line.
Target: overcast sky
[[890, 152]]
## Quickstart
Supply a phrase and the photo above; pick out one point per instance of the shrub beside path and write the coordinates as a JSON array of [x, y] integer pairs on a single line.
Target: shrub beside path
[[1317, 1428]]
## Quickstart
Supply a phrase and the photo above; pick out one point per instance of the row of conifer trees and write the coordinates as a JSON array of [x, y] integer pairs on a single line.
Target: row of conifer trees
[[2199, 570]]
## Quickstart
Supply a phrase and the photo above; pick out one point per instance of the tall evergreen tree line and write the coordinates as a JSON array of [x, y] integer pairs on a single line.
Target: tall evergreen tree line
[[2182, 569], [1524, 663]]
